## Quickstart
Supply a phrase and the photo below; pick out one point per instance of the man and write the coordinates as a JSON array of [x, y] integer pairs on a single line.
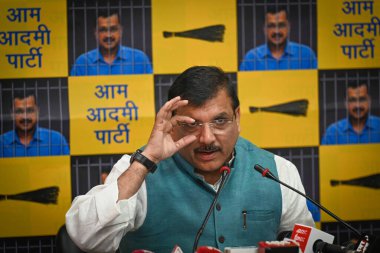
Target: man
[[27, 138], [360, 126], [278, 53], [111, 58], [195, 133]]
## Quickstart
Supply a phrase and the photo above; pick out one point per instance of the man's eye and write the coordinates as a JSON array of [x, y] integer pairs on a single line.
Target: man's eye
[[192, 125], [30, 110], [19, 111], [220, 121]]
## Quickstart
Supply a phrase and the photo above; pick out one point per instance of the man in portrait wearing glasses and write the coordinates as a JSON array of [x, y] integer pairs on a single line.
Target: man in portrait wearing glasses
[[27, 138], [158, 197], [278, 53], [359, 126], [111, 58]]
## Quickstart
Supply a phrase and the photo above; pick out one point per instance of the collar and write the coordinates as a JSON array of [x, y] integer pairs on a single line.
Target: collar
[[15, 139], [287, 51], [99, 57], [348, 126]]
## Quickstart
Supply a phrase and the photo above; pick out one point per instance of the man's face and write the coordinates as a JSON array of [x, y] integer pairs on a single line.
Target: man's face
[[276, 28], [214, 145], [358, 102], [109, 32], [25, 114]]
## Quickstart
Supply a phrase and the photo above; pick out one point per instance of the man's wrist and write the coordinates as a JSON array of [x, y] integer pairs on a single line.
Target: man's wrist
[[147, 155], [144, 159]]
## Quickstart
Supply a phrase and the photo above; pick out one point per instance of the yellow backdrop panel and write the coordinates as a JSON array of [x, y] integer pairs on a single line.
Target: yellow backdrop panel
[[268, 129], [339, 30], [345, 162], [26, 218], [119, 124], [174, 54], [37, 46]]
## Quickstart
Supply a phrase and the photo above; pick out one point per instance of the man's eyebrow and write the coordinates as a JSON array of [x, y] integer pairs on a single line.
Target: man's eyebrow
[[221, 115]]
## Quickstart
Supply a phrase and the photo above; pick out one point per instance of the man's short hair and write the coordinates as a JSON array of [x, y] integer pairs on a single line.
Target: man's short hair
[[22, 94], [105, 13], [201, 83], [355, 85], [273, 9]]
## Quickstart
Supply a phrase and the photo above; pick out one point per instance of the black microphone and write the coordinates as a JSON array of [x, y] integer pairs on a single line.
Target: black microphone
[[268, 174], [225, 171], [323, 247]]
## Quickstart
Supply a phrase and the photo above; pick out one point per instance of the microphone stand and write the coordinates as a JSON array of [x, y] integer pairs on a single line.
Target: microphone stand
[[225, 172], [268, 174]]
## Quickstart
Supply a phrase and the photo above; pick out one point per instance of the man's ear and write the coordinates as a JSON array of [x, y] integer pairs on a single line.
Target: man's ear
[[237, 116], [346, 103], [12, 114], [37, 111]]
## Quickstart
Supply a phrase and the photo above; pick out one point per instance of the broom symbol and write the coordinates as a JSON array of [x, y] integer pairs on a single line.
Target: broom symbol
[[371, 181], [209, 33], [46, 195], [293, 108]]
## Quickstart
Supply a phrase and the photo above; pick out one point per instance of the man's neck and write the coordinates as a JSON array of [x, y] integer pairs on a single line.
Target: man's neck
[[109, 55], [358, 124], [25, 136], [277, 50], [212, 177]]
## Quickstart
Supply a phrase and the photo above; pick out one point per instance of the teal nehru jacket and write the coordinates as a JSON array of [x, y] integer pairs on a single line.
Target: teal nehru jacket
[[178, 200]]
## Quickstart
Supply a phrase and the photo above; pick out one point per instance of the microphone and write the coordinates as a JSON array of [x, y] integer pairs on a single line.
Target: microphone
[[324, 247], [268, 174], [225, 171], [207, 249], [367, 243], [307, 237]]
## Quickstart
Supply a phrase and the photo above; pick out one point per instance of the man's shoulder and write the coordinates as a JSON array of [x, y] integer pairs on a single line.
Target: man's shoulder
[[375, 119], [338, 125], [45, 132], [243, 144], [258, 51], [89, 55], [7, 137], [131, 51], [374, 122], [300, 47]]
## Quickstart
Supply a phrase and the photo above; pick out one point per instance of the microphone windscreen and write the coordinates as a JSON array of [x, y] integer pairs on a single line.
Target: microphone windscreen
[[207, 249], [259, 168], [306, 236], [225, 169]]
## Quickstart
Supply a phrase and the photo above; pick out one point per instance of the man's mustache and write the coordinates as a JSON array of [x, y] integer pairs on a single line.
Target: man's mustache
[[358, 109], [26, 121], [108, 39], [277, 35], [208, 148]]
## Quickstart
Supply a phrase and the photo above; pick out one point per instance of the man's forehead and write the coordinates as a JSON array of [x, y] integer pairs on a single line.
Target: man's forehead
[[357, 91], [278, 16], [28, 101], [111, 20]]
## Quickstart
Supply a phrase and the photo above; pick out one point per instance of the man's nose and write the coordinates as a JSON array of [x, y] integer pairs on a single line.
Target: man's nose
[[206, 135]]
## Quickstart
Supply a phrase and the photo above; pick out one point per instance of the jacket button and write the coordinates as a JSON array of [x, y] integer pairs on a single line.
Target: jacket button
[[221, 239], [218, 207]]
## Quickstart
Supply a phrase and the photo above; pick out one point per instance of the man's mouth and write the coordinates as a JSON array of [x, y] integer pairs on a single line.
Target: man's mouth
[[108, 40], [26, 121], [207, 152], [277, 36]]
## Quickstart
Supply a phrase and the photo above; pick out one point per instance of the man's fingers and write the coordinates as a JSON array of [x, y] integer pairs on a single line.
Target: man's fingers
[[180, 118], [167, 109], [183, 142]]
